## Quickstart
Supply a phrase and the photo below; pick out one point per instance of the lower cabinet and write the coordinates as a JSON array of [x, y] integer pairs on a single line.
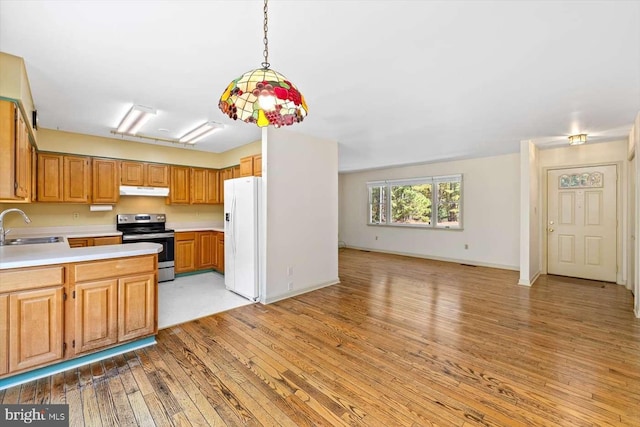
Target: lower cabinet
[[185, 252], [220, 254], [35, 327], [4, 334], [198, 250], [81, 242], [114, 301], [54, 313]]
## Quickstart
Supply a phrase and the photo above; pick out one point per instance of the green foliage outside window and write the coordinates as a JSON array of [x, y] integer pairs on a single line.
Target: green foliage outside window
[[426, 202], [411, 204]]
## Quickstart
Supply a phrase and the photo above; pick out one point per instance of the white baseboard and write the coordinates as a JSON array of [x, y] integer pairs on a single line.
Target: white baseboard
[[300, 291], [436, 258], [529, 282]]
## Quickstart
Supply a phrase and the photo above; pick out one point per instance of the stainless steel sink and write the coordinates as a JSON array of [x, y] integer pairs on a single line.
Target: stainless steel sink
[[32, 240]]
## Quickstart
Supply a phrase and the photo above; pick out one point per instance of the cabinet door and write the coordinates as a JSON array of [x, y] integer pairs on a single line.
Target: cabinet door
[[157, 175], [206, 248], [132, 173], [185, 252], [35, 327], [257, 165], [4, 334], [76, 179], [107, 240], [213, 185], [198, 186], [96, 311], [80, 242], [179, 190], [23, 159], [8, 112], [106, 181], [235, 172], [224, 175], [50, 177], [246, 166], [220, 252], [136, 307]]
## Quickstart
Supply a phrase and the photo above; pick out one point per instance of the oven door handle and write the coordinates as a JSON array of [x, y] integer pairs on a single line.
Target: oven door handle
[[147, 236]]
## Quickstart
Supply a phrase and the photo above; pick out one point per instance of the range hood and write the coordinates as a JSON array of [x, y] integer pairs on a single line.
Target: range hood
[[128, 190]]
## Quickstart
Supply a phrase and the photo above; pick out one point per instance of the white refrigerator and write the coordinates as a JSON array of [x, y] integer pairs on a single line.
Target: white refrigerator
[[241, 252]]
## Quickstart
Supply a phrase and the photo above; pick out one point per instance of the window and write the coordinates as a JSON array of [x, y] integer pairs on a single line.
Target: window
[[420, 202]]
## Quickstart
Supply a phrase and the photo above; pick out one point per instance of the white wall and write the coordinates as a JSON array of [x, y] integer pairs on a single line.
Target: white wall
[[491, 188], [300, 177], [529, 214]]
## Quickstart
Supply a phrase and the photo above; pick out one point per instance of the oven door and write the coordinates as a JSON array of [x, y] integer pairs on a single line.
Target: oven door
[[167, 241]]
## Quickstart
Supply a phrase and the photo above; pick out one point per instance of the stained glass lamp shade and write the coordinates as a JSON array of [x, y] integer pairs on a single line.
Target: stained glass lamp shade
[[264, 97]]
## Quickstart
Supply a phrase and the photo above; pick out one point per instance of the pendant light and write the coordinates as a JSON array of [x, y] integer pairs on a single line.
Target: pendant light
[[264, 96]]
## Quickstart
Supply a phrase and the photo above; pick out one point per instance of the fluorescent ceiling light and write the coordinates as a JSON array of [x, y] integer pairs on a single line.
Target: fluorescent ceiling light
[[135, 119], [200, 132]]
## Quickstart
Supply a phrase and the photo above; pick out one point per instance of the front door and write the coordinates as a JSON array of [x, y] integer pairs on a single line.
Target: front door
[[581, 222]]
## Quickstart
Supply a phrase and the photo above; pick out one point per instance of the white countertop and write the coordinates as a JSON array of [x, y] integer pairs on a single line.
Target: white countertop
[[59, 253]]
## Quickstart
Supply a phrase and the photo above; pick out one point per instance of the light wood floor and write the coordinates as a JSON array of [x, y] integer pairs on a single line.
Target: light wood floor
[[400, 341]]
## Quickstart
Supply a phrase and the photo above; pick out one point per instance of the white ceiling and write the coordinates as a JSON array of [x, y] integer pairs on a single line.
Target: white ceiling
[[394, 82]]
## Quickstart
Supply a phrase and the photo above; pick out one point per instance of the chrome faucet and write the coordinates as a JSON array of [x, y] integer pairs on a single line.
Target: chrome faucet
[[2, 214]]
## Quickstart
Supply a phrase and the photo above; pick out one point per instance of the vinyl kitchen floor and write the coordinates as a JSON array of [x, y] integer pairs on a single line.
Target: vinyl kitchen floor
[[191, 297]]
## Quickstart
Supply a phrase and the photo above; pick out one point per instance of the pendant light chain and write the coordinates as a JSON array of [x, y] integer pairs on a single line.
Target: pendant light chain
[[265, 53]]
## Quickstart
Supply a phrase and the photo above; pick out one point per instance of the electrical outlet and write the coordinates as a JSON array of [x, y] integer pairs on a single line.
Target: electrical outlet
[[289, 271], [290, 286], [76, 215]]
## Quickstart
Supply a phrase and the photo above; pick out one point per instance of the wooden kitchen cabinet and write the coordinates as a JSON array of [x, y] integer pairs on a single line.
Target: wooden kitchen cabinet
[[4, 334], [15, 154], [31, 317], [105, 181], [136, 307], [96, 315], [204, 186], [251, 165], [63, 178], [35, 327], [82, 242], [179, 191], [206, 249], [220, 252], [114, 301], [185, 252], [141, 174], [246, 166]]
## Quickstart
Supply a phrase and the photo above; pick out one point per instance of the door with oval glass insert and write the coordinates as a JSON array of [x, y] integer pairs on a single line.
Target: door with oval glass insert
[[581, 222]]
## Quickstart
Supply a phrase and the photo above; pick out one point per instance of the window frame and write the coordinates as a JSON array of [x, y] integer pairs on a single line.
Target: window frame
[[434, 181]]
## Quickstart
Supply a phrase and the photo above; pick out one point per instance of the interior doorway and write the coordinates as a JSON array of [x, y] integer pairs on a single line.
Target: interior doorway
[[582, 222]]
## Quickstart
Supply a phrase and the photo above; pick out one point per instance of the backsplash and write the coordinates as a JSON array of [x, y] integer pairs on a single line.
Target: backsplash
[[62, 214]]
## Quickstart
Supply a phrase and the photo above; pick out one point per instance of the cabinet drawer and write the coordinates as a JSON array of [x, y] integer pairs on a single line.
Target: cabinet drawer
[[30, 278], [117, 267]]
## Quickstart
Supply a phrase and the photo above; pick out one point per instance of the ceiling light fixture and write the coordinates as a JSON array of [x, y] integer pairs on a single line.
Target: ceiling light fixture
[[200, 132], [263, 96], [578, 139], [135, 119]]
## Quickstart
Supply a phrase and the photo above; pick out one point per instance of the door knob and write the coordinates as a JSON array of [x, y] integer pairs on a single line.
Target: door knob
[[551, 230]]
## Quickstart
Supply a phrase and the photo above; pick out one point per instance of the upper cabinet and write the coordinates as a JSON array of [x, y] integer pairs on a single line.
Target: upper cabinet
[[204, 186], [63, 178], [142, 174], [180, 185], [105, 181], [15, 155], [251, 165]]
